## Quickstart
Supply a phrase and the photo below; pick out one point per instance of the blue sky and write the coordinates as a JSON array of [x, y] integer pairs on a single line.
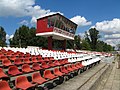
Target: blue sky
[[104, 15]]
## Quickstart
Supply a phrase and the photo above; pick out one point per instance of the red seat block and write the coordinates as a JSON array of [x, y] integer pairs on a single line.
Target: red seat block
[[21, 82], [26, 68], [36, 66], [13, 70], [36, 77], [2, 74], [4, 85], [49, 75], [57, 72]]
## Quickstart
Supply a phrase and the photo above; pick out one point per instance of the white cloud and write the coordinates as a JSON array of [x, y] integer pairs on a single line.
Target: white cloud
[[21, 8], [24, 22], [113, 42], [113, 36], [81, 21], [108, 27], [9, 36], [82, 35]]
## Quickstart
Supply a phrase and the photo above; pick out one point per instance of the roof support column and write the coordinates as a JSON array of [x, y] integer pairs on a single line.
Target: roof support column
[[50, 43]]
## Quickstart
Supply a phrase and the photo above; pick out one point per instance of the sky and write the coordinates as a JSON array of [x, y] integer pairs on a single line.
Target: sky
[[104, 15]]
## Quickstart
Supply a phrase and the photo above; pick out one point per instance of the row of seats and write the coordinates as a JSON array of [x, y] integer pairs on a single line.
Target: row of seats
[[40, 65], [13, 70], [52, 63], [21, 82]]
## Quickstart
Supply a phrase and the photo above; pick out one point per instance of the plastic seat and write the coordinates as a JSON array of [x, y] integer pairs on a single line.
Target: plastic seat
[[34, 60], [22, 82], [56, 62], [57, 72], [51, 59], [51, 64], [4, 85], [44, 65], [74, 67], [40, 60], [63, 70], [18, 61], [69, 68], [26, 60], [26, 68], [3, 58], [36, 78], [39, 56], [36, 66], [2, 74], [46, 59], [6, 63], [13, 70], [12, 57], [49, 75]]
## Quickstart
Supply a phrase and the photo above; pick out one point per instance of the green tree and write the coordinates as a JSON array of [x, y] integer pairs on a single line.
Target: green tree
[[77, 42], [2, 37], [92, 37], [85, 45], [25, 36]]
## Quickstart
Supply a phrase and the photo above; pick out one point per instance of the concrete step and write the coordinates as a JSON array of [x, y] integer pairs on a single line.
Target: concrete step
[[78, 82]]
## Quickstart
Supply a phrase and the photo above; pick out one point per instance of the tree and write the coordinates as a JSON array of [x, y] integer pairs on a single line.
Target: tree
[[77, 42], [92, 37], [25, 36], [2, 37], [85, 45]]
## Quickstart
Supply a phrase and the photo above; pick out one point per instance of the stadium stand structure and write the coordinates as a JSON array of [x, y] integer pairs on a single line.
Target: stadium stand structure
[[38, 69]]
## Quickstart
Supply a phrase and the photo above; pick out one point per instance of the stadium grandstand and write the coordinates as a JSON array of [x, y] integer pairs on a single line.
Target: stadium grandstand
[[33, 68]]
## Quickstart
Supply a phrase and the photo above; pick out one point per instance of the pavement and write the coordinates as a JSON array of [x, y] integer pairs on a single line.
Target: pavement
[[80, 81], [104, 76]]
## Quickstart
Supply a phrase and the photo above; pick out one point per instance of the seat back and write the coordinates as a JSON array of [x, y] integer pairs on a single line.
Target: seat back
[[2, 74], [13, 70], [21, 80], [26, 68], [6, 62], [36, 66], [4, 85], [36, 76], [18, 61]]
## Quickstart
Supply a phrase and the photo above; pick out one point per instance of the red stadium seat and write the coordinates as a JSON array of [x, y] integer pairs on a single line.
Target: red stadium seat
[[26, 68], [26, 60], [44, 65], [74, 67], [21, 82], [18, 61], [51, 59], [63, 70], [2, 74], [46, 59], [57, 72], [36, 78], [51, 64], [13, 70], [12, 57], [36, 66], [69, 68], [6, 63], [3, 58], [4, 85], [34, 60], [49, 75], [39, 56], [56, 62], [40, 60]]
